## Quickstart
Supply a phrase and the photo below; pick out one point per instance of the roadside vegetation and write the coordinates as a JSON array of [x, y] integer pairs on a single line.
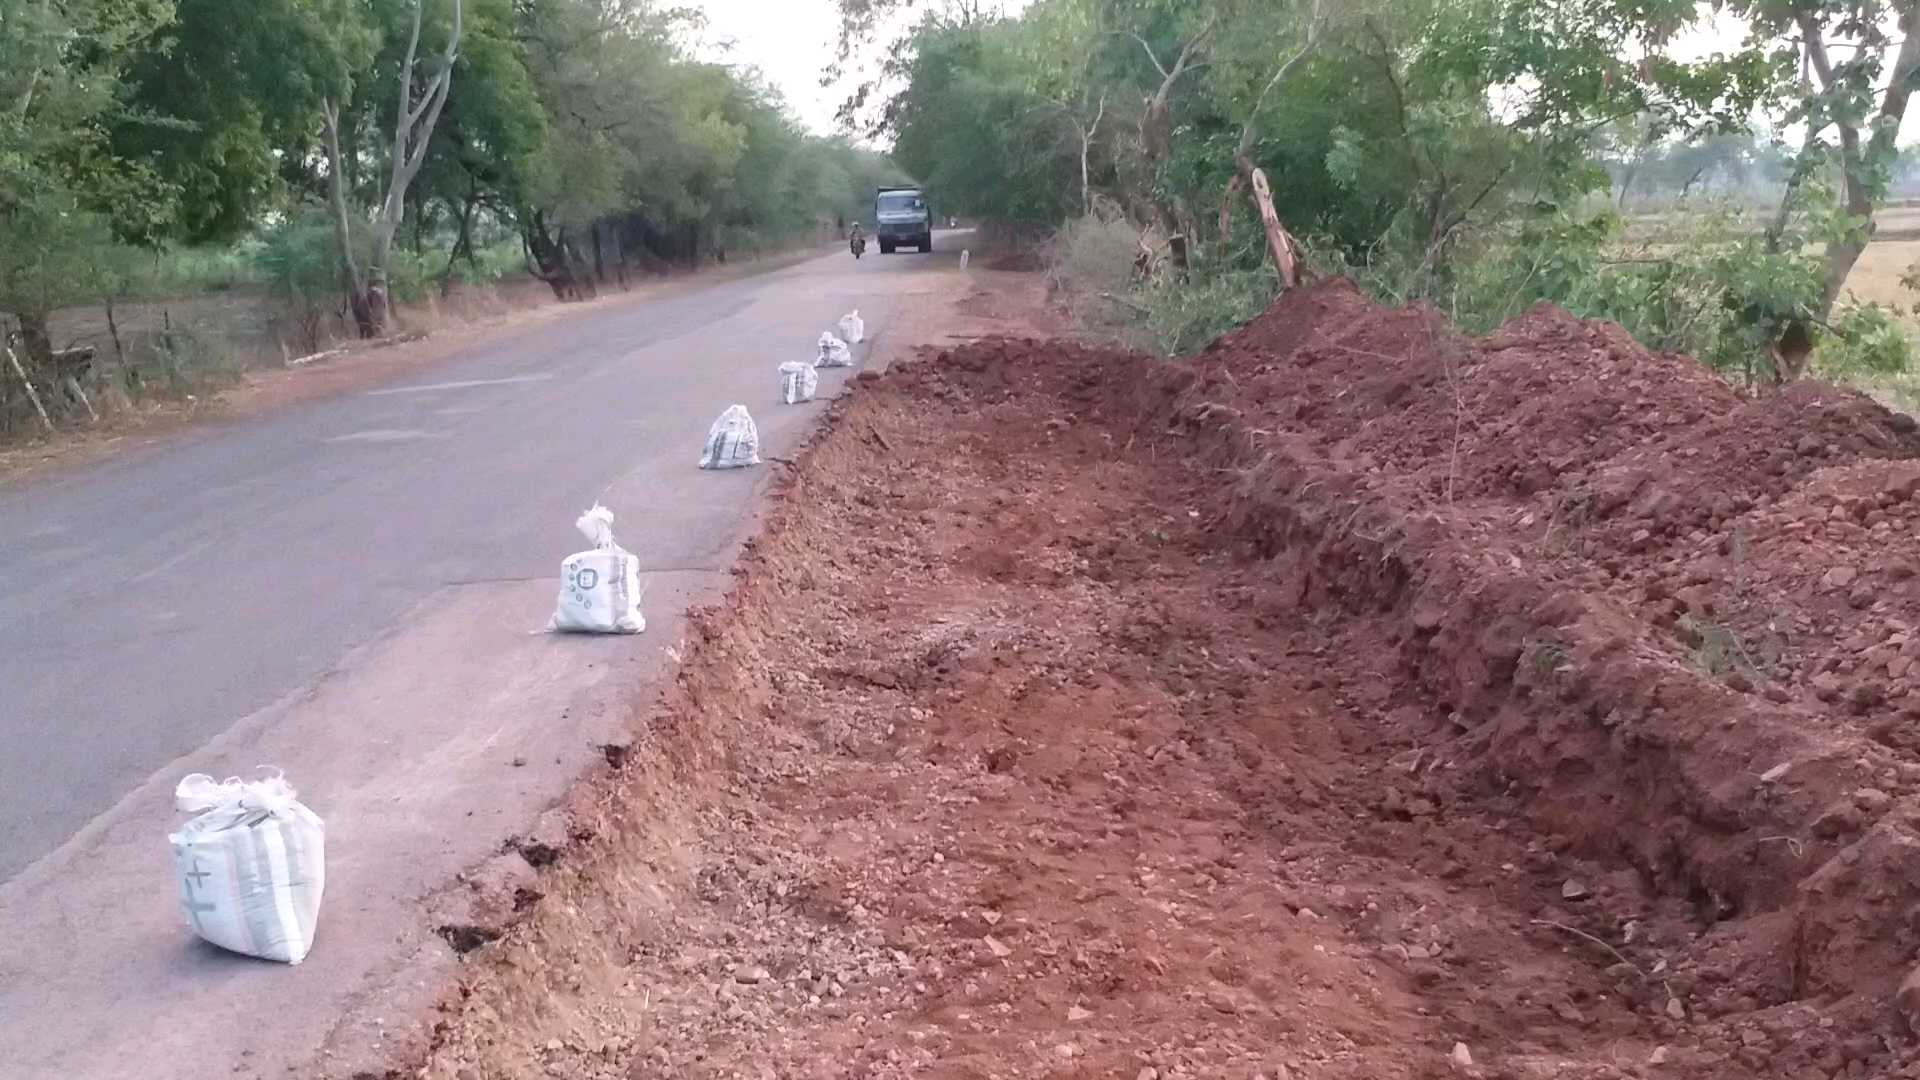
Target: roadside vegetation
[[1476, 155], [346, 157]]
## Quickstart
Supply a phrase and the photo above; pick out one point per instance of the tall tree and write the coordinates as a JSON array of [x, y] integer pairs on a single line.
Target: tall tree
[[416, 111], [63, 193], [1864, 62]]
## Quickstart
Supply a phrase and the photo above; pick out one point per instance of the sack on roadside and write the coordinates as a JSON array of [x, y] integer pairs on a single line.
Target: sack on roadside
[[251, 865], [852, 328], [833, 352], [599, 589], [732, 442], [798, 381]]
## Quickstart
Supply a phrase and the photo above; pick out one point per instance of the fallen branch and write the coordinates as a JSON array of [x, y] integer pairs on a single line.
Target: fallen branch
[[32, 394], [299, 361], [1617, 955]]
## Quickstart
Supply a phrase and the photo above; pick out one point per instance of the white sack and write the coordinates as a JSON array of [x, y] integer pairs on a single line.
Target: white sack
[[599, 589], [853, 328], [798, 381], [833, 352], [733, 442], [251, 865]]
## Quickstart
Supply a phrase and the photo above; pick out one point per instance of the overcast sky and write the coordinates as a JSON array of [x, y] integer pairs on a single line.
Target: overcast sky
[[792, 42]]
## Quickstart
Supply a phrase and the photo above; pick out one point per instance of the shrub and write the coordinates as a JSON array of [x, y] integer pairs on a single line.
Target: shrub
[[1865, 339], [298, 261], [1186, 312]]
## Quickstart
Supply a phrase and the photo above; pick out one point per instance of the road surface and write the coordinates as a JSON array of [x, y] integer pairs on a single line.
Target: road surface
[[348, 589]]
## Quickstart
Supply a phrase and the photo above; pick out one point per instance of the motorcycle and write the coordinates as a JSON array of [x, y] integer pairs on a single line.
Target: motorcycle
[[858, 245]]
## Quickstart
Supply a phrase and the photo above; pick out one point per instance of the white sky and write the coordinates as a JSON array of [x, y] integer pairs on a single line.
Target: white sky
[[790, 41], [793, 41]]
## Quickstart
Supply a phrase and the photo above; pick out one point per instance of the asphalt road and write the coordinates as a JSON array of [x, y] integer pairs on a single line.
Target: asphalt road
[[346, 589]]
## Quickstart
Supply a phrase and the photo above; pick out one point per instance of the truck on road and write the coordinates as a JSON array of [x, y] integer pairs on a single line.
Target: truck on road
[[902, 218]]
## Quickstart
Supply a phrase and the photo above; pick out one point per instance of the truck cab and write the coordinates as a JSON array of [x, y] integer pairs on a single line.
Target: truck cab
[[902, 218]]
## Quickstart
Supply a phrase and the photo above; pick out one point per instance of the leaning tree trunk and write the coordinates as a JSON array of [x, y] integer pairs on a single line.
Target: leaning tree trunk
[[36, 339], [547, 257], [462, 244], [1843, 254]]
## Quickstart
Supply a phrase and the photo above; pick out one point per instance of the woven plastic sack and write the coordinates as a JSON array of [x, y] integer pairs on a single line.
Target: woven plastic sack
[[852, 328], [833, 352], [251, 865], [732, 442], [599, 589], [798, 381]]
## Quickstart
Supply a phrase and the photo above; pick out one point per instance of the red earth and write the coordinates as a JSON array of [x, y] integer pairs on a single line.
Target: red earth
[[1355, 700]]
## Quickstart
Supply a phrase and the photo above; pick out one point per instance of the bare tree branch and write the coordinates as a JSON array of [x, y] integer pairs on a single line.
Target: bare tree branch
[[1152, 59]]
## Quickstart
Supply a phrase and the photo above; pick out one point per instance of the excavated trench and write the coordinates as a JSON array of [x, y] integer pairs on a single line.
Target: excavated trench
[[1357, 699]]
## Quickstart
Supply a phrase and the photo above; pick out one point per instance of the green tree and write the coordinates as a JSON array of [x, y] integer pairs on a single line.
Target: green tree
[[1863, 60], [220, 105], [63, 193], [417, 106]]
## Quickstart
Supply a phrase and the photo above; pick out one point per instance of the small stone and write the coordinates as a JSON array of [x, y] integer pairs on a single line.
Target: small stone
[[994, 946], [1419, 952], [1462, 1057], [1658, 1057], [992, 918], [751, 976], [1839, 577], [1075, 1014], [553, 1045], [1222, 1002], [1067, 1050], [1307, 913], [1573, 890], [1675, 1009], [1147, 1072]]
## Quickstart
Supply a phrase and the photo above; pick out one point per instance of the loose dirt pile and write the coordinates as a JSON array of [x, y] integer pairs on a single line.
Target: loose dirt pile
[[1355, 701]]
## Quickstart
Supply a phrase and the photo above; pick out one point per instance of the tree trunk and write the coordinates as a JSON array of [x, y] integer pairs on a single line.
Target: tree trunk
[[36, 339], [599, 256], [1627, 176], [462, 244], [413, 123], [1843, 254], [1278, 242], [113, 329], [352, 282], [547, 258], [1854, 159]]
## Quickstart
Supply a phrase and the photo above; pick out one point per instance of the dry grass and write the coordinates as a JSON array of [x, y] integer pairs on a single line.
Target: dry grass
[[1877, 275]]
